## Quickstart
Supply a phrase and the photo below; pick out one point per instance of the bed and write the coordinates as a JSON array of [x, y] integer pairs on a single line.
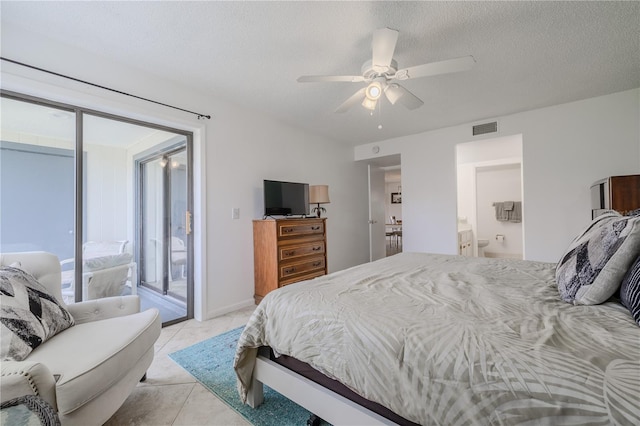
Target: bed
[[442, 339]]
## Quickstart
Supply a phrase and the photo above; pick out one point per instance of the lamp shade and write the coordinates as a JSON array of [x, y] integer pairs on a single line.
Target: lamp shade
[[319, 194]]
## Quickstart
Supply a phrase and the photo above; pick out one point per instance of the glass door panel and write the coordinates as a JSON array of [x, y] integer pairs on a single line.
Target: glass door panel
[[108, 267], [153, 260], [165, 229], [178, 226], [127, 249]]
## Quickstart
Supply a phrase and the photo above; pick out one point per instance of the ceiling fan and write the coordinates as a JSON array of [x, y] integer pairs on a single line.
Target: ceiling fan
[[382, 73]]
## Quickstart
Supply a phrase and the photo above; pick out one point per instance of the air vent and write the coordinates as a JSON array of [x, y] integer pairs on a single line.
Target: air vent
[[481, 129]]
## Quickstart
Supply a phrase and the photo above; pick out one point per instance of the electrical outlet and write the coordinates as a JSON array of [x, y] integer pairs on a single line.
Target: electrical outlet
[[235, 213]]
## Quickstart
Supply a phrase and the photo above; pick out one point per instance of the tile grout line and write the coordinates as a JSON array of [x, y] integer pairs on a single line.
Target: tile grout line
[[173, 422]]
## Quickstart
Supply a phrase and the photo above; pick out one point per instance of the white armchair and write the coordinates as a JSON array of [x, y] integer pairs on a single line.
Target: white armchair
[[87, 371]]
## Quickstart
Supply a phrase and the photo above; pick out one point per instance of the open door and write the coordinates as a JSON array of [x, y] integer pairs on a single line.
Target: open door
[[377, 243]]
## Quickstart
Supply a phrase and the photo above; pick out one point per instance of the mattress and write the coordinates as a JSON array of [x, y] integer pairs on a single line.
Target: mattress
[[452, 340]]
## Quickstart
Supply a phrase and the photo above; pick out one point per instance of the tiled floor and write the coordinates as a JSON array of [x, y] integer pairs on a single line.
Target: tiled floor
[[170, 395]]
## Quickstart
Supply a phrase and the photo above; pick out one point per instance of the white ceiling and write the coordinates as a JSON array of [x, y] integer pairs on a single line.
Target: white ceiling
[[528, 54]]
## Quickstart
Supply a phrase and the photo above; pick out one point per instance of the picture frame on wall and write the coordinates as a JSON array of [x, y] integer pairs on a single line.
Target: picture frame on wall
[[396, 198]]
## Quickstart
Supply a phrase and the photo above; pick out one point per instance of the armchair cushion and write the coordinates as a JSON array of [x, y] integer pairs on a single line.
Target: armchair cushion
[[29, 314], [90, 358]]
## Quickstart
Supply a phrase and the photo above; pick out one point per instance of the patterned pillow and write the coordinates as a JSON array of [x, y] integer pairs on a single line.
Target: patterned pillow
[[596, 261], [29, 315], [630, 291]]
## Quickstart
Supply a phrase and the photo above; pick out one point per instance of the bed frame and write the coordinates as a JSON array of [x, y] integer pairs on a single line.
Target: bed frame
[[321, 401]]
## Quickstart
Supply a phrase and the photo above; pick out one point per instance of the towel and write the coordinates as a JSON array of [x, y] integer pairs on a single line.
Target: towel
[[501, 214], [508, 211], [515, 215]]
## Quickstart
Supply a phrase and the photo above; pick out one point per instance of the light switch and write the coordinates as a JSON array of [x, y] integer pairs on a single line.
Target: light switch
[[235, 213]]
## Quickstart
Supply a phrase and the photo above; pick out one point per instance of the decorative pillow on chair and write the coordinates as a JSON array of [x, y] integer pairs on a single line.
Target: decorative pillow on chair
[[630, 291], [597, 260], [29, 315]]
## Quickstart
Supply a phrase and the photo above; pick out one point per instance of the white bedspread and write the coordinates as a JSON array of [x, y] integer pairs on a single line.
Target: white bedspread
[[453, 340]]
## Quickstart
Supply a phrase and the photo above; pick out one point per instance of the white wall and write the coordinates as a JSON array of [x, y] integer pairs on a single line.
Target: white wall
[[234, 152], [565, 148]]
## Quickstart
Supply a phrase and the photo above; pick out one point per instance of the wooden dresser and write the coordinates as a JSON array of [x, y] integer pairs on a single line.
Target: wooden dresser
[[619, 193], [624, 193], [286, 251]]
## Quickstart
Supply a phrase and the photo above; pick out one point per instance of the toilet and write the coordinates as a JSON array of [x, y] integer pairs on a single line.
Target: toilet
[[482, 243]]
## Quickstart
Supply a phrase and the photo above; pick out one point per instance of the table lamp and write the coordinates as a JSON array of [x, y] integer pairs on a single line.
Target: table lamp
[[319, 194]]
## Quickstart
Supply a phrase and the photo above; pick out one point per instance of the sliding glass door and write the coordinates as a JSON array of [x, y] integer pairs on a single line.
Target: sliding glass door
[[87, 209]]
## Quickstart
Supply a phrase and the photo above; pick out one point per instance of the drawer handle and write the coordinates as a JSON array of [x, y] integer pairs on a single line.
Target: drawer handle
[[315, 228], [287, 230], [289, 253], [317, 248], [289, 270], [317, 263]]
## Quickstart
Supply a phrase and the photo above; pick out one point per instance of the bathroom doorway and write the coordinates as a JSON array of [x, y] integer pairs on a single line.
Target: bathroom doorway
[[489, 176]]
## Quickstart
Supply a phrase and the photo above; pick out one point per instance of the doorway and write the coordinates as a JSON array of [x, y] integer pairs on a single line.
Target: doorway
[[393, 209], [385, 237], [489, 173]]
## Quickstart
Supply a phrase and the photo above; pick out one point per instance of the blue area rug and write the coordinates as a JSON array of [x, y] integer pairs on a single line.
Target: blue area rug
[[211, 363]]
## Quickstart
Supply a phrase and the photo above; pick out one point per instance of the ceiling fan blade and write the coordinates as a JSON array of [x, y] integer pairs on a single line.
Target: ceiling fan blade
[[396, 93], [383, 46], [354, 99], [435, 68], [330, 78]]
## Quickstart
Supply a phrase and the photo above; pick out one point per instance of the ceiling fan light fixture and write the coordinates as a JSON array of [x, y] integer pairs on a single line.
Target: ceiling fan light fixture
[[369, 103], [374, 90]]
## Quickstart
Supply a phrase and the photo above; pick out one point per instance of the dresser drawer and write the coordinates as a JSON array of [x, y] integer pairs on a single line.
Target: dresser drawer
[[304, 277], [292, 269], [295, 251], [297, 228]]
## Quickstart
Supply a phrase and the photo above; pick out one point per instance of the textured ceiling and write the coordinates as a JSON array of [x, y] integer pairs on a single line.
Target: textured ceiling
[[528, 54]]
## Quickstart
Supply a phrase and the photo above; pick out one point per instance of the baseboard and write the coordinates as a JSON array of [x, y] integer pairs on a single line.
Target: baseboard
[[230, 308]]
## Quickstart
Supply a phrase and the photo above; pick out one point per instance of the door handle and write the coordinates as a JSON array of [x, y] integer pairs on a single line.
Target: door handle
[[188, 222]]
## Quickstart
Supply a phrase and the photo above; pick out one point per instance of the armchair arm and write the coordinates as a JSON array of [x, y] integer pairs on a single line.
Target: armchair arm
[[108, 307], [27, 378]]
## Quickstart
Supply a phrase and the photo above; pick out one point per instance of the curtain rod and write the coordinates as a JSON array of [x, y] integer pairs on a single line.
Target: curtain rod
[[200, 116]]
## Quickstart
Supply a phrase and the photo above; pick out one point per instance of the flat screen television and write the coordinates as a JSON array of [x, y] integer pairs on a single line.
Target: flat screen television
[[286, 198]]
